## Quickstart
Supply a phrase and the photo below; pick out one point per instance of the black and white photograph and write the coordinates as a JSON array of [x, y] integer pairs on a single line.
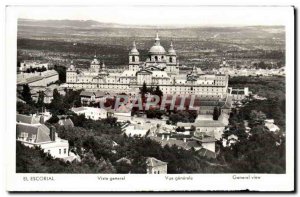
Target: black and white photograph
[[174, 93]]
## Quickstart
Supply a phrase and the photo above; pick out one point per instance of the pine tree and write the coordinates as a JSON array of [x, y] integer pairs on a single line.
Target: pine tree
[[144, 89], [26, 94], [216, 114], [158, 92], [40, 102]]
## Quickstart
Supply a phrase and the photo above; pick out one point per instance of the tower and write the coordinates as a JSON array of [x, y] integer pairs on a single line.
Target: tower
[[172, 57], [172, 60], [134, 59], [71, 74], [95, 64]]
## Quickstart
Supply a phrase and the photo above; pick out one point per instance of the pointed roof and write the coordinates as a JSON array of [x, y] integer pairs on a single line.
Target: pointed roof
[[28, 119], [95, 60], [41, 132], [153, 162], [134, 50], [157, 40], [171, 50]]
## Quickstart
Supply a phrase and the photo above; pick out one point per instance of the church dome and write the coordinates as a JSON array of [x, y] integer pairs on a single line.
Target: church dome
[[134, 51], [96, 61], [171, 50], [157, 48], [72, 67]]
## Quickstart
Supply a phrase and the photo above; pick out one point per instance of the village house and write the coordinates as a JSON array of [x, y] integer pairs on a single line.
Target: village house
[[87, 97], [41, 136], [66, 122], [32, 132], [185, 143], [207, 140], [239, 94], [91, 112], [155, 166], [135, 130], [208, 125], [269, 123]]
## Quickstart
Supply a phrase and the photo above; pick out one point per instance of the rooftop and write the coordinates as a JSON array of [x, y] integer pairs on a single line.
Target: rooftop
[[153, 162]]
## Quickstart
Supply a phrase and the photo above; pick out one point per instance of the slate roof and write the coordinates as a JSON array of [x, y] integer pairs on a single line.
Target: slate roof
[[180, 143], [66, 122], [202, 123], [99, 94], [207, 153], [87, 94], [153, 162], [41, 131], [28, 119]]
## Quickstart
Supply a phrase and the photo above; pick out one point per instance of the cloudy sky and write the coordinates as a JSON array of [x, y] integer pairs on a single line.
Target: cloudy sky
[[161, 15]]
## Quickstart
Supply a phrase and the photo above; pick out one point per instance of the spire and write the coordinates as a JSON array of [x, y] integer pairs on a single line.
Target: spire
[[157, 40], [103, 65], [95, 56], [134, 50], [171, 45]]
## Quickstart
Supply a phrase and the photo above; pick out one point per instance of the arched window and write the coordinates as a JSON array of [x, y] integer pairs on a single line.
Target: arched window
[[171, 59], [156, 58], [133, 58]]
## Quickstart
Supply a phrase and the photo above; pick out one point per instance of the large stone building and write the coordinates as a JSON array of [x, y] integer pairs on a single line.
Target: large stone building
[[38, 79], [161, 68]]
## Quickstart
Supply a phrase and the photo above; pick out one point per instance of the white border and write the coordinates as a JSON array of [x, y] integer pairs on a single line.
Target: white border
[[203, 182]]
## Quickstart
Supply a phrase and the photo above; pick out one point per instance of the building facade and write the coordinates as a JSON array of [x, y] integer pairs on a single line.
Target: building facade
[[161, 68], [155, 166]]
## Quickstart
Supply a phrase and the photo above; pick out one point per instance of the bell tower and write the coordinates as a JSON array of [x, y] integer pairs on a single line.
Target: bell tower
[[134, 59]]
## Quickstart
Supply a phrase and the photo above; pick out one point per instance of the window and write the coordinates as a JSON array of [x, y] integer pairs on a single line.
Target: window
[[59, 151], [158, 172], [156, 58], [65, 151]]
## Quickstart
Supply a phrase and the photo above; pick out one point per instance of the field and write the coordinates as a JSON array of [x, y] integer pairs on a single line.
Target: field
[[60, 41]]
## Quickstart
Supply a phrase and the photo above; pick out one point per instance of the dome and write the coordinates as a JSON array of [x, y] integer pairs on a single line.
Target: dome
[[157, 50], [72, 67], [134, 51], [96, 61], [171, 50]]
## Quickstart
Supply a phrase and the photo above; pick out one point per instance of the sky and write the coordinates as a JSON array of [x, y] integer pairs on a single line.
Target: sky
[[162, 15]]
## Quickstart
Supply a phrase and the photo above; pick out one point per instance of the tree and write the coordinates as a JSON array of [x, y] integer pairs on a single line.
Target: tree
[[144, 89], [24, 108], [40, 103], [216, 114], [57, 106], [256, 118], [54, 119], [61, 73], [26, 95], [158, 92]]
